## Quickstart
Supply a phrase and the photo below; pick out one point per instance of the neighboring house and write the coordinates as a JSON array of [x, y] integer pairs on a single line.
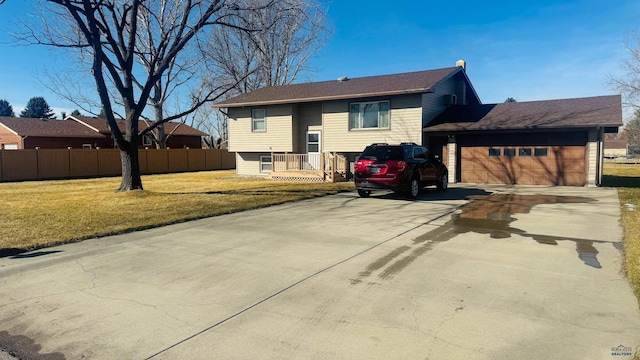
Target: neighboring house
[[180, 135], [306, 126], [28, 133], [615, 148]]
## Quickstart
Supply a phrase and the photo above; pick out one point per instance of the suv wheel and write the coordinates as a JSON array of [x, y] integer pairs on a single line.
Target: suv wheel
[[443, 183], [414, 188], [364, 193]]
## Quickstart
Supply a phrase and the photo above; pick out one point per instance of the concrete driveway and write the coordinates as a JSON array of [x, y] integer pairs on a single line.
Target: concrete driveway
[[474, 273]]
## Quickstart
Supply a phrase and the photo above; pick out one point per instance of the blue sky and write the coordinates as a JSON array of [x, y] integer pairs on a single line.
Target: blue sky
[[526, 50]]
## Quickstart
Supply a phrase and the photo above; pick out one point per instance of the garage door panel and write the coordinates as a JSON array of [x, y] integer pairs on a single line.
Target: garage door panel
[[557, 165], [572, 166]]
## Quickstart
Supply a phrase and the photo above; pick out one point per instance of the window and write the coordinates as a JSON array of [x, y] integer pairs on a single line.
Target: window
[[265, 164], [524, 152], [146, 141], [419, 153], [509, 152], [10, 146], [369, 115], [86, 146], [258, 121], [493, 152], [540, 152]]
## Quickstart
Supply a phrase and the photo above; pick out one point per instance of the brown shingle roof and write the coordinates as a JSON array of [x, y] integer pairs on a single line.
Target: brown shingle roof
[[100, 124], [615, 144], [48, 128], [580, 112], [383, 85]]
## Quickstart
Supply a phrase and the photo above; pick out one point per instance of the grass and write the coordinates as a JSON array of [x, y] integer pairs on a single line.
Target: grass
[[626, 178], [46, 213]]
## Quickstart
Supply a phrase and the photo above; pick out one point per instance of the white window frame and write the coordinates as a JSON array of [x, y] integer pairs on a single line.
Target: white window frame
[[359, 122], [12, 146], [255, 119], [87, 146], [264, 160], [146, 140]]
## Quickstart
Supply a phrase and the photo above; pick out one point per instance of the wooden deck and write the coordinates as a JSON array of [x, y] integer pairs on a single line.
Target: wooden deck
[[326, 167]]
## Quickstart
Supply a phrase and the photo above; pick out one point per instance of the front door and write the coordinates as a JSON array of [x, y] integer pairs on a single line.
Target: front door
[[314, 149]]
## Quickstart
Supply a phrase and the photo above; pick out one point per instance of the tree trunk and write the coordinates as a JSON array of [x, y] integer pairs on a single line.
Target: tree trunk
[[131, 179], [161, 137]]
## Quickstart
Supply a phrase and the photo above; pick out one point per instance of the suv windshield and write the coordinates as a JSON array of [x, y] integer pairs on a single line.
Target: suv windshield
[[382, 153]]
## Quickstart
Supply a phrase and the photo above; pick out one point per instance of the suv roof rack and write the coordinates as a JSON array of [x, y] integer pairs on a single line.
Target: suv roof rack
[[409, 143]]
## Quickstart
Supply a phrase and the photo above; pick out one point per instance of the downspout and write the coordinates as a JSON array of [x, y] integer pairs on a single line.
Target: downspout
[[22, 140]]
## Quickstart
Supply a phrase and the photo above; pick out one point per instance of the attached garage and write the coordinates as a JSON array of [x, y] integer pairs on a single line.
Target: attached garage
[[556, 142]]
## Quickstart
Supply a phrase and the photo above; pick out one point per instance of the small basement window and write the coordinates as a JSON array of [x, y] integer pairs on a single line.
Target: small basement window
[[265, 164], [493, 152], [541, 152], [509, 152], [86, 146], [524, 152]]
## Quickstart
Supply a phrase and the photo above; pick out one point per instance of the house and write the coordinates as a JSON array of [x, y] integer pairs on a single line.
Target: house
[[614, 148], [29, 133], [318, 129], [180, 135]]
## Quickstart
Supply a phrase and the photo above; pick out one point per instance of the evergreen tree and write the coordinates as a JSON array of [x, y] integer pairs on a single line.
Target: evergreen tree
[[510, 100], [37, 107], [6, 109], [75, 112]]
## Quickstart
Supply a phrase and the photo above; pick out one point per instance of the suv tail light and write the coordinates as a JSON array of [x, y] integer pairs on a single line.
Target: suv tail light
[[401, 165]]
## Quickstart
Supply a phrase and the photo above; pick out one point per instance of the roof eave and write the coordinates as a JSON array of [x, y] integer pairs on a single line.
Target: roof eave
[[322, 98], [523, 128]]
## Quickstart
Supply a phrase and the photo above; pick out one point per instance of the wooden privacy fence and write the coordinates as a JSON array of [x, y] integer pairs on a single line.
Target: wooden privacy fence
[[40, 164]]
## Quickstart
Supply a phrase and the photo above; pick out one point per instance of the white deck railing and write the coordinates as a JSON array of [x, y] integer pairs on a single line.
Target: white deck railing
[[297, 162]]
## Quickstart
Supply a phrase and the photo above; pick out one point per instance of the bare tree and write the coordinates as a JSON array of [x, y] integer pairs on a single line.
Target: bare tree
[[629, 83], [632, 133], [113, 34], [291, 32]]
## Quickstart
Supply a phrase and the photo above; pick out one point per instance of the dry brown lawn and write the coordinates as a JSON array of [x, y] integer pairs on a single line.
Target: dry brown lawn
[[44, 213], [626, 178]]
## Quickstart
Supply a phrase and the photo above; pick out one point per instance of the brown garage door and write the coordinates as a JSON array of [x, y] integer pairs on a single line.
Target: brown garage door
[[549, 165]]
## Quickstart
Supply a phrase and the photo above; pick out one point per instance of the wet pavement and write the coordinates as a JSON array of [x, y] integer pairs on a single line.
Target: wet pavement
[[476, 273]]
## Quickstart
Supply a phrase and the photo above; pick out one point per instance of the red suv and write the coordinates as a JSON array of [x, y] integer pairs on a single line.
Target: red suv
[[405, 168]]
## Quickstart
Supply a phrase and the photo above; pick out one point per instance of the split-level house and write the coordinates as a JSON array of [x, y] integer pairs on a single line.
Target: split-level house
[[316, 130]]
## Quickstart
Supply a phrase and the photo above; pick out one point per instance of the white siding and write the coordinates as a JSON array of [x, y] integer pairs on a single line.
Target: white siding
[[278, 137], [595, 158], [249, 164], [433, 103], [405, 125], [452, 158]]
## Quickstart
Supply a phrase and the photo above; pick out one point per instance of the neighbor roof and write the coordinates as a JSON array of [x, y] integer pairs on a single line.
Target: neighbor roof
[[100, 125], [615, 144], [603, 111], [383, 85], [47, 128]]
